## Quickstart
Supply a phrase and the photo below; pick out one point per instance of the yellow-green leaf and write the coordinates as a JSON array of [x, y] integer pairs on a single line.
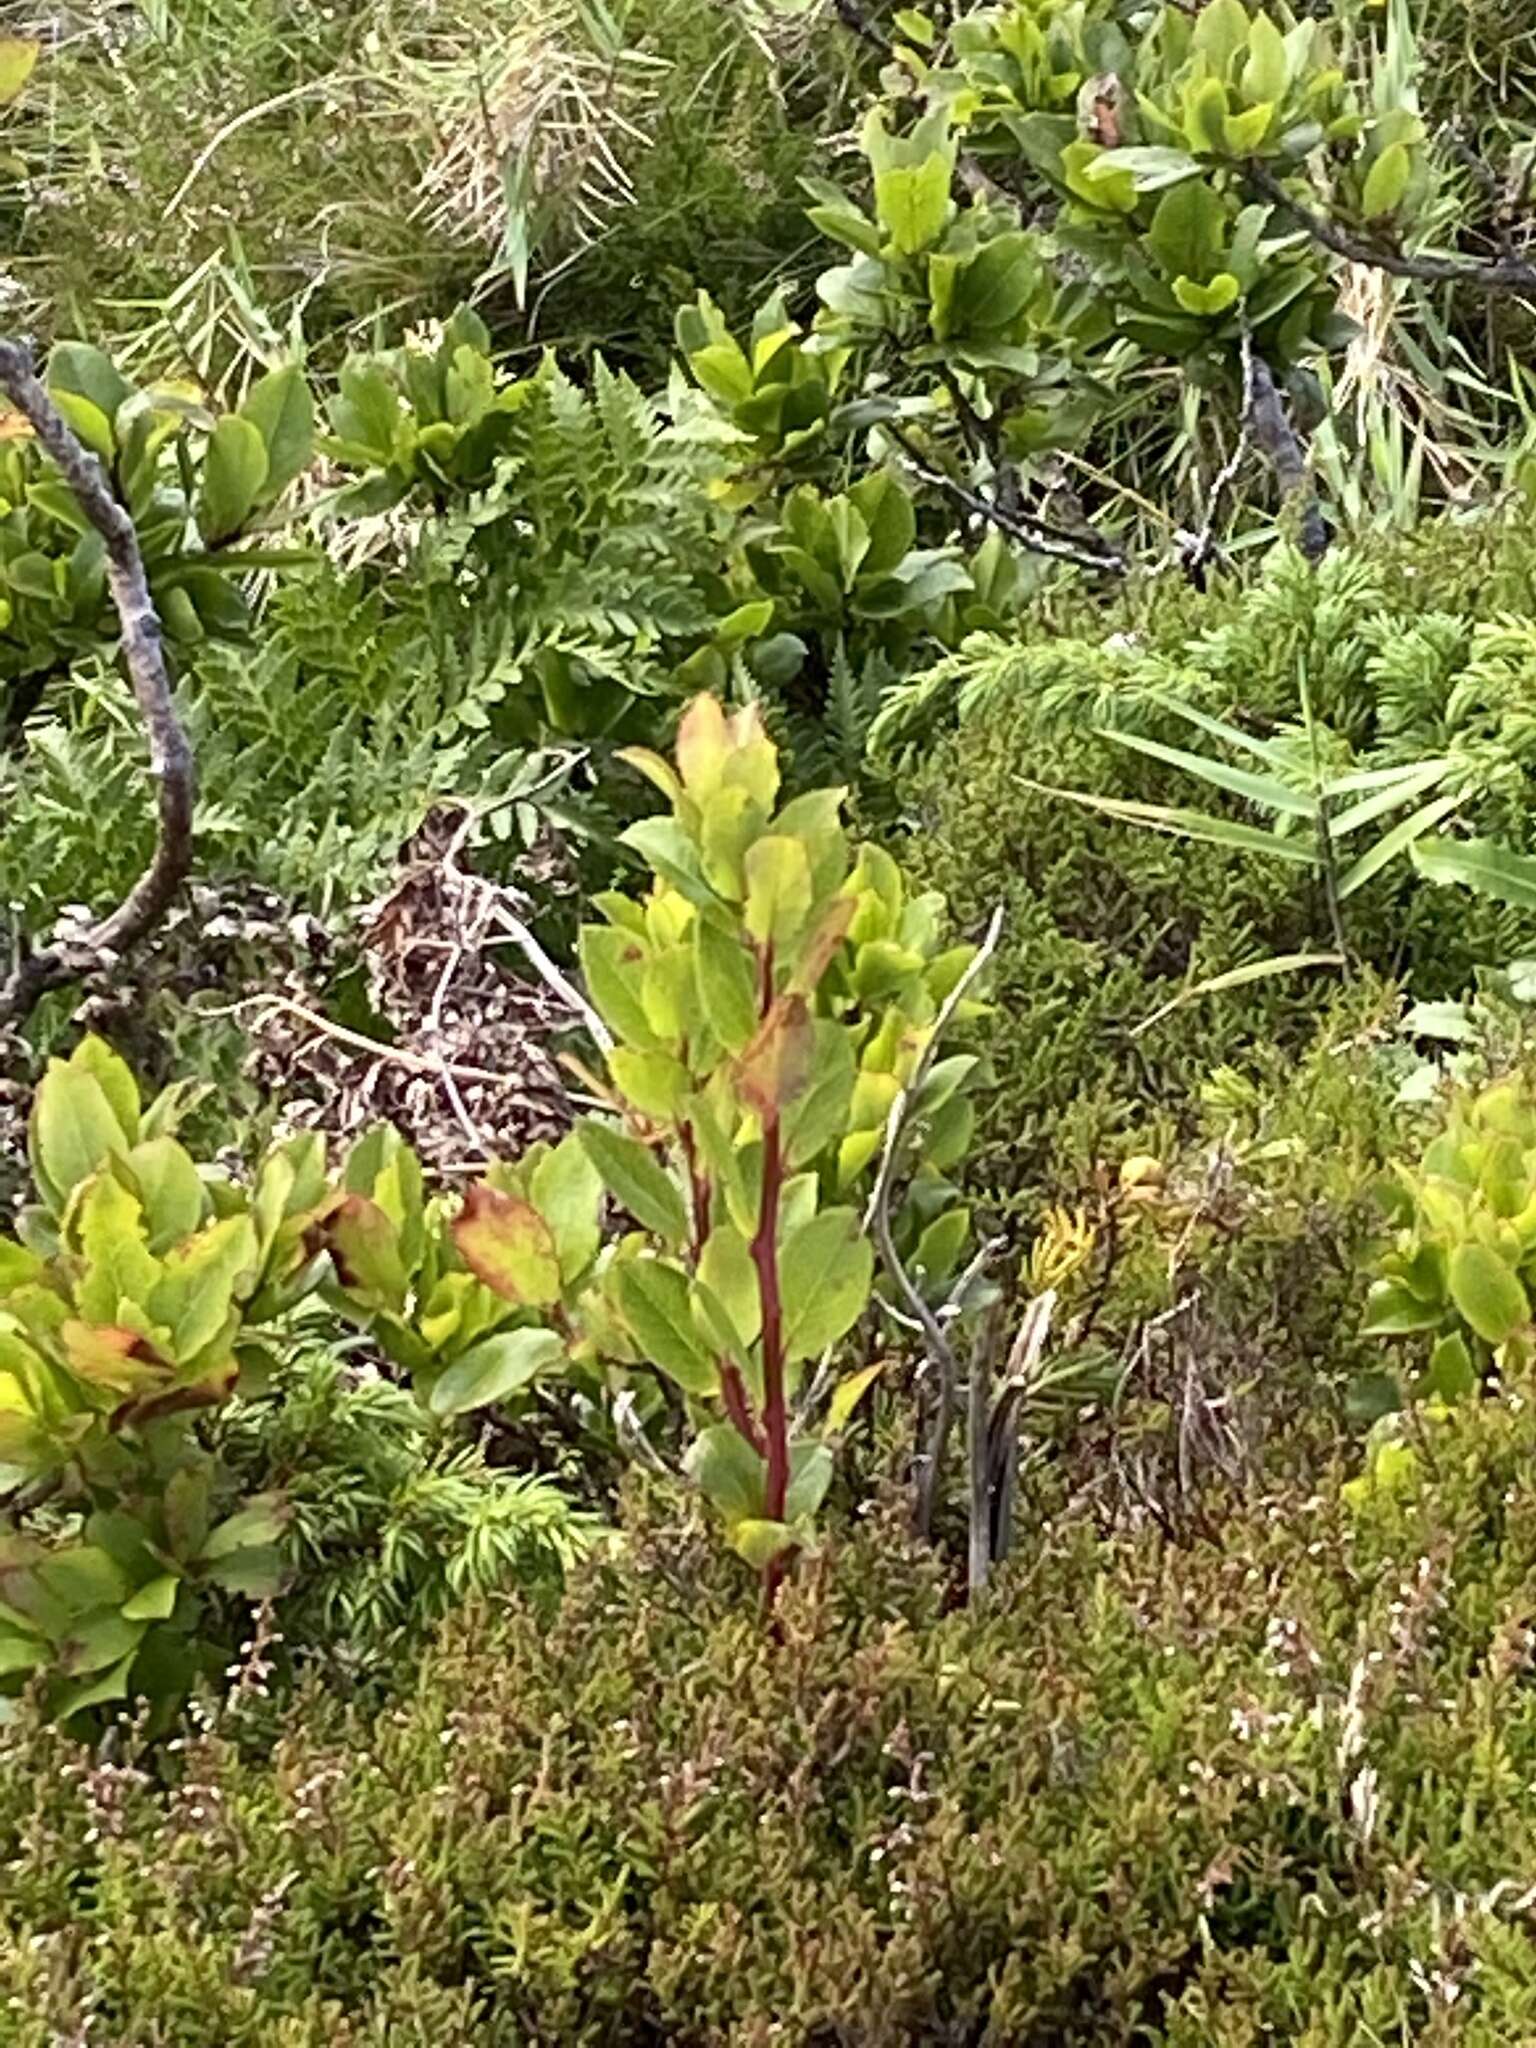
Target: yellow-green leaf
[[18, 60], [727, 984], [653, 1082], [825, 1271], [652, 1296], [613, 966], [154, 1601], [1266, 71], [1207, 300], [727, 1270], [234, 471], [1488, 1292], [1386, 182], [281, 409], [779, 893], [73, 1131], [1205, 117], [912, 201], [760, 1542], [848, 1393], [567, 1191]]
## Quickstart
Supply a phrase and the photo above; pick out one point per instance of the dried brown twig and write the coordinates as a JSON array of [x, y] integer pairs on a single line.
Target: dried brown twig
[[878, 1220], [170, 751]]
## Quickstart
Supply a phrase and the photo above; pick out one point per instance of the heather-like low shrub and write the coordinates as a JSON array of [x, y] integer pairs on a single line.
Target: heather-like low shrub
[[1266, 1789]]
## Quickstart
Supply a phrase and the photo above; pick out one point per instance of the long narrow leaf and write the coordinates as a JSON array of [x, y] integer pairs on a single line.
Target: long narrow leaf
[[1481, 865], [1185, 824], [1219, 729], [1239, 977], [1397, 841], [1388, 797], [1265, 790], [1378, 778]]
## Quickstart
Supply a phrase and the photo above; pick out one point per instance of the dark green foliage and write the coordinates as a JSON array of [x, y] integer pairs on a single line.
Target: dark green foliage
[[1411, 649], [320, 751], [718, 205], [193, 483], [1271, 1789], [1238, 1748], [390, 1525], [549, 580]]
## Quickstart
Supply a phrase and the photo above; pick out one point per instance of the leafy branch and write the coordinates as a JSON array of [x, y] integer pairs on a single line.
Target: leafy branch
[[1504, 274]]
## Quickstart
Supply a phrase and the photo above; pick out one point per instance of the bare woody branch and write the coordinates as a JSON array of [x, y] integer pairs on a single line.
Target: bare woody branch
[[1504, 274], [878, 1219], [1270, 428], [170, 752], [1038, 535]]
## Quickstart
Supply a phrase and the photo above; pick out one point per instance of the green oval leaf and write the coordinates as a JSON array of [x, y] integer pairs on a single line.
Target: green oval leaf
[[494, 1370], [653, 1299], [727, 984], [1387, 181], [825, 1271], [279, 406], [1487, 1292], [234, 470], [636, 1179]]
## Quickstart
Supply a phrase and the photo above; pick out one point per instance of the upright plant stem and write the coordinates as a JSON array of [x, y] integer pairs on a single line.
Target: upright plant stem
[[877, 1218], [765, 1256], [1331, 897], [733, 1388], [978, 1446]]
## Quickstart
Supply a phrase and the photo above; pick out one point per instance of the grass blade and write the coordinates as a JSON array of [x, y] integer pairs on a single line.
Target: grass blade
[[1412, 782], [1239, 977], [1267, 791], [1185, 824], [1219, 729], [1392, 843]]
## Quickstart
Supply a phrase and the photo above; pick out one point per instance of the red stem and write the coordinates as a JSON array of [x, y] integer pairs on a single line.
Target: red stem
[[738, 1405], [733, 1388], [698, 1181], [765, 1256]]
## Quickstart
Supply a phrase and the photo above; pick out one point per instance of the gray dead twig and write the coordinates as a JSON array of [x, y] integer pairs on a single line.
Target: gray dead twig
[[170, 752], [877, 1218]]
